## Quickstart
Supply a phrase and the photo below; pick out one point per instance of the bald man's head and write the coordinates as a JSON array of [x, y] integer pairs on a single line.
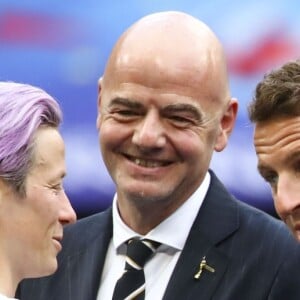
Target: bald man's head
[[164, 106], [172, 44]]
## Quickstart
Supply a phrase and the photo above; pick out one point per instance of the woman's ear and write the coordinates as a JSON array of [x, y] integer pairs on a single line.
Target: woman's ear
[[226, 124]]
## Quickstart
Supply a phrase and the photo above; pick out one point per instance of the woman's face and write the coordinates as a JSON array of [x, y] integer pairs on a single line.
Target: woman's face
[[32, 226]]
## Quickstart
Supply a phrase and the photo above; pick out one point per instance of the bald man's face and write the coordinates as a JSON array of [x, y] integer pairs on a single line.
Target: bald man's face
[[159, 121]]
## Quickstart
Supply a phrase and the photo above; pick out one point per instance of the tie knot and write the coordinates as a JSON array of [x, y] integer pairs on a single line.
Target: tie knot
[[139, 251], [131, 285]]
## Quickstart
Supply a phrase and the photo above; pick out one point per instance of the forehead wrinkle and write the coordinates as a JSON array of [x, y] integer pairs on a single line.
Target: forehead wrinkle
[[278, 141], [266, 160], [172, 84], [277, 134]]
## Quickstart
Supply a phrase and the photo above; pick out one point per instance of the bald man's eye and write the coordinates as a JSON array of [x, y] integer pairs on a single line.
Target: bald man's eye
[[124, 114], [180, 119]]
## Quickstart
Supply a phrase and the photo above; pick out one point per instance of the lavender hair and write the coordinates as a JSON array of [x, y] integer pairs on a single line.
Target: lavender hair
[[23, 109]]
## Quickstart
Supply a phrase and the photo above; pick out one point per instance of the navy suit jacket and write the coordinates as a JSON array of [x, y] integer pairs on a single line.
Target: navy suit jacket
[[253, 254]]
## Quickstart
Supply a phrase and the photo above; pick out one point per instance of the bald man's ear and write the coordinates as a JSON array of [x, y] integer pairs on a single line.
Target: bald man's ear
[[226, 125], [99, 102]]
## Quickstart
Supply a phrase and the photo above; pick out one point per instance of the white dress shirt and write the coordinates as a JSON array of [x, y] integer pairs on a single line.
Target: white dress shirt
[[172, 233], [3, 297]]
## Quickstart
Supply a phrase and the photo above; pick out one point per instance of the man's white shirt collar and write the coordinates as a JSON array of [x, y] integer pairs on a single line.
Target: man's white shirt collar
[[180, 221], [3, 297]]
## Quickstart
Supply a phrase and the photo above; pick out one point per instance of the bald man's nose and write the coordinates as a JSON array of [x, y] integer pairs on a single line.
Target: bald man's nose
[[149, 133]]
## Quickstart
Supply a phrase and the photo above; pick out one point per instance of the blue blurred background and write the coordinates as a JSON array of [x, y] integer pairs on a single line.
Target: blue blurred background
[[62, 46]]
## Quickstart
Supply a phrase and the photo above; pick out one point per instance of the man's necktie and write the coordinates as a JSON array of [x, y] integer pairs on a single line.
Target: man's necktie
[[131, 284]]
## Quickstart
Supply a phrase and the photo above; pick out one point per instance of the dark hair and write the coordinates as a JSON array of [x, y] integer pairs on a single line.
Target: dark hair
[[278, 94]]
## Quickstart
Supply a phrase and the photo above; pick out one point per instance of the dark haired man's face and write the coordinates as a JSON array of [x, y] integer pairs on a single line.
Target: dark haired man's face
[[277, 144]]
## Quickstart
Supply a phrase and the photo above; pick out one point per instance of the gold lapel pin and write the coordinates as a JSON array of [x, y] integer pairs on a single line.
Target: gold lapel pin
[[203, 266]]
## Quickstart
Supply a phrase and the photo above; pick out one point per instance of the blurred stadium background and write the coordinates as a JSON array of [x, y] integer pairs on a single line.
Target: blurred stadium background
[[62, 46]]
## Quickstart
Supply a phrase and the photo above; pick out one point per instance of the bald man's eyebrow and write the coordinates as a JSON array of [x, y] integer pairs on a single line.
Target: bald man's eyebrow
[[185, 108], [188, 110], [125, 102]]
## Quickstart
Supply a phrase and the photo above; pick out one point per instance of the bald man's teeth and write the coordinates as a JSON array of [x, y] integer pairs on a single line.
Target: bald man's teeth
[[147, 163]]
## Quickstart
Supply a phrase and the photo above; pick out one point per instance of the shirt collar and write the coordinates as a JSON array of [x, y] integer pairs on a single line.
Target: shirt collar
[[184, 215]]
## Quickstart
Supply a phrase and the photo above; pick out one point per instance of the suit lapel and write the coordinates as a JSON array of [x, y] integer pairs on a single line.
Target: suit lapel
[[84, 266], [216, 221]]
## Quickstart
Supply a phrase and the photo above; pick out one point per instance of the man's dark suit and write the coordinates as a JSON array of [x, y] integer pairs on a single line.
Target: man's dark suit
[[253, 254]]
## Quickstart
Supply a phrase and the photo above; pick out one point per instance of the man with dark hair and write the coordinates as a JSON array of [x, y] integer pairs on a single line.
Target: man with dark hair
[[275, 110]]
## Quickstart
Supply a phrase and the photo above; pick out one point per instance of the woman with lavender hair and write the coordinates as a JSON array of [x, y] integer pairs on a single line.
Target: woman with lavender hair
[[33, 204]]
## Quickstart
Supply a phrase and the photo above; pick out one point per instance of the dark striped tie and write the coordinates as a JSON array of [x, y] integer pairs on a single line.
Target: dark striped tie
[[131, 284]]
